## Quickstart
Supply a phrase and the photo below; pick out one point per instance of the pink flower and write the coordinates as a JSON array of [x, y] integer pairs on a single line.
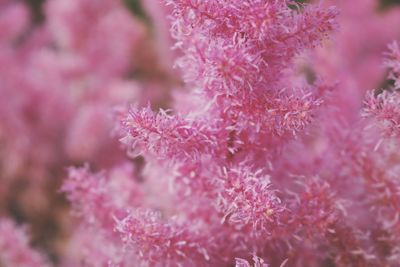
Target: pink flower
[[99, 200], [167, 136], [15, 249], [393, 63], [258, 262]]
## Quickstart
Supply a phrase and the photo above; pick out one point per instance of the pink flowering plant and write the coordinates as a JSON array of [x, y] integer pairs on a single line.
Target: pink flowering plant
[[273, 142]]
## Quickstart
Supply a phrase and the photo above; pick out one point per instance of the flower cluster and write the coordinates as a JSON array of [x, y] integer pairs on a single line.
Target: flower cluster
[[219, 151], [271, 149], [227, 151], [15, 248]]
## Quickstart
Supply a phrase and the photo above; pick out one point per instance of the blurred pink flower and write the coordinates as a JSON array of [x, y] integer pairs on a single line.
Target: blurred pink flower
[[15, 247]]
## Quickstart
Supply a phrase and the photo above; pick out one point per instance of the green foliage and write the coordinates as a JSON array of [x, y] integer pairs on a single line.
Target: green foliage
[[36, 8], [388, 3], [135, 6]]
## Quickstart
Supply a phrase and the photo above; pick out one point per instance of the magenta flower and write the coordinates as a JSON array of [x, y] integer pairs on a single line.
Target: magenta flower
[[261, 148]]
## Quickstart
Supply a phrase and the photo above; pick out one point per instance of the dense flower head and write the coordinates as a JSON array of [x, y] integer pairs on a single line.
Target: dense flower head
[[235, 54], [383, 105], [223, 40], [384, 108], [246, 198], [216, 149], [100, 199], [257, 262], [246, 107], [167, 136], [95, 196], [154, 239]]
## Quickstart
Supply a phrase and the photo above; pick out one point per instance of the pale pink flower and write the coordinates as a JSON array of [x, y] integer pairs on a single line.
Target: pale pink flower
[[15, 249], [258, 262], [99, 200]]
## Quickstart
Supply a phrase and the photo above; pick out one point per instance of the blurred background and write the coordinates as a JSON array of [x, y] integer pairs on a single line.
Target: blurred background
[[65, 66]]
